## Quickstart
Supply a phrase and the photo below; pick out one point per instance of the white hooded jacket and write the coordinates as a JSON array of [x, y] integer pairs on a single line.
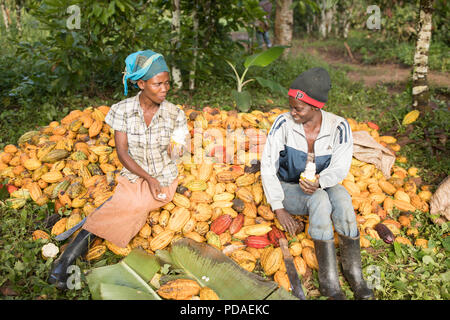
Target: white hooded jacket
[[286, 151]]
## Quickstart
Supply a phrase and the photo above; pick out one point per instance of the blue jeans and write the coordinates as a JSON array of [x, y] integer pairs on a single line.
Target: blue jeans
[[325, 207], [263, 36]]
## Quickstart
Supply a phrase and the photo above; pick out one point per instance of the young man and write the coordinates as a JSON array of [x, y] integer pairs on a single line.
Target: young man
[[309, 134]]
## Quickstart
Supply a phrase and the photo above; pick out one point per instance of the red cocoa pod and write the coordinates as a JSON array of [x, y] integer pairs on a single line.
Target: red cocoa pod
[[384, 233], [274, 235], [257, 242], [221, 224], [237, 223]]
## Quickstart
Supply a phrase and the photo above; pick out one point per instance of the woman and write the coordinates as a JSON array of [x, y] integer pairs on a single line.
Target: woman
[[309, 134], [142, 127]]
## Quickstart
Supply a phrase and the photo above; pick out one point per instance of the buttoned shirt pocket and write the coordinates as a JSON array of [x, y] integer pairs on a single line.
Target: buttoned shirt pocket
[[134, 137]]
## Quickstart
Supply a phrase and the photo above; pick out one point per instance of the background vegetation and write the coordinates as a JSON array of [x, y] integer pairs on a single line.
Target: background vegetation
[[48, 70]]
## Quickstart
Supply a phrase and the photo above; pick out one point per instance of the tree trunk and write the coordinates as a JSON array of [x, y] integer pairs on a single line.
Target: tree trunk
[[284, 22], [420, 90], [194, 60], [323, 24], [19, 15], [176, 26], [5, 14]]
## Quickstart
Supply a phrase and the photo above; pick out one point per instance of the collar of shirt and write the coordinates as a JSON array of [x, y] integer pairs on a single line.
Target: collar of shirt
[[162, 112]]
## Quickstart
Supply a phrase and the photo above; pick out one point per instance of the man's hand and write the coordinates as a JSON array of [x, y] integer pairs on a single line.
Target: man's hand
[[155, 187], [309, 187], [289, 224]]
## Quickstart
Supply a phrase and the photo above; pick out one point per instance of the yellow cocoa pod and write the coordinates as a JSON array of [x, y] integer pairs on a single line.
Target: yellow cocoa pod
[[164, 218], [401, 195], [221, 204], [95, 252], [265, 212], [189, 226], [73, 220], [225, 176], [39, 234], [179, 217], [403, 205], [310, 258], [205, 170], [363, 242], [250, 210], [388, 139], [244, 194], [387, 187], [34, 190], [194, 236], [52, 176], [351, 187], [377, 197], [403, 240], [421, 243], [300, 265], [146, 231], [202, 212], [197, 185], [425, 195], [59, 227], [180, 289], [245, 180], [272, 263], [162, 240], [200, 197], [282, 279], [295, 248], [118, 250], [410, 117], [181, 200], [257, 229], [224, 196], [208, 294], [388, 204], [32, 164]]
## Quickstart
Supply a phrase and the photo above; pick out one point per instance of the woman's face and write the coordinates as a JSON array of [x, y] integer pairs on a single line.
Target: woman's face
[[301, 112], [156, 88]]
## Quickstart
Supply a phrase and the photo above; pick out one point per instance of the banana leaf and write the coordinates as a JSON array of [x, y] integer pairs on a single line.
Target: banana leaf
[[134, 271], [116, 292], [211, 268], [242, 99], [272, 85], [264, 58]]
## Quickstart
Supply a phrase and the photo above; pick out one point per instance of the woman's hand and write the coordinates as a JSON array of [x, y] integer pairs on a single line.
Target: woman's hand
[[155, 187], [309, 187], [289, 224]]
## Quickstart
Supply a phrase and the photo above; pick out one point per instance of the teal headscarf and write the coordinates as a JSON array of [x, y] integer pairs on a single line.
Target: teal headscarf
[[143, 65]]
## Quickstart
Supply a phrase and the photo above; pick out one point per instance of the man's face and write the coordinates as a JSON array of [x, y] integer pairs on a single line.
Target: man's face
[[300, 111], [156, 88]]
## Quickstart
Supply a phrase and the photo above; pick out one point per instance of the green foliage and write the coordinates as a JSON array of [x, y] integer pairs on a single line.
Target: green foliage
[[261, 59]]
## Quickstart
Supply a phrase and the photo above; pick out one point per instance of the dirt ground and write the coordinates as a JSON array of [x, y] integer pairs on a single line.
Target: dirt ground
[[372, 75]]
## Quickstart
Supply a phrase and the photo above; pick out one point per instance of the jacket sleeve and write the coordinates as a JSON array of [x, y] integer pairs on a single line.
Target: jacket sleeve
[[341, 157], [270, 163]]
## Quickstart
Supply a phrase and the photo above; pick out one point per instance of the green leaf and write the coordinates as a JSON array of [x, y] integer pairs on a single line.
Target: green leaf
[[115, 292], [428, 259], [210, 267], [243, 100], [446, 243], [264, 58], [397, 249], [122, 274], [272, 85], [145, 265]]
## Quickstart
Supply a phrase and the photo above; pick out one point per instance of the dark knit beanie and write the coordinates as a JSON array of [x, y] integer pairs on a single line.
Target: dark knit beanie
[[312, 87]]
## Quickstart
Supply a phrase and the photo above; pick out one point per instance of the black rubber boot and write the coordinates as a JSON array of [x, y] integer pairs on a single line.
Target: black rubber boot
[[350, 253], [79, 246], [328, 270]]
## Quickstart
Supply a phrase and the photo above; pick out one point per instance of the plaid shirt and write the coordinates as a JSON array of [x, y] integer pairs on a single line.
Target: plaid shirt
[[148, 145]]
